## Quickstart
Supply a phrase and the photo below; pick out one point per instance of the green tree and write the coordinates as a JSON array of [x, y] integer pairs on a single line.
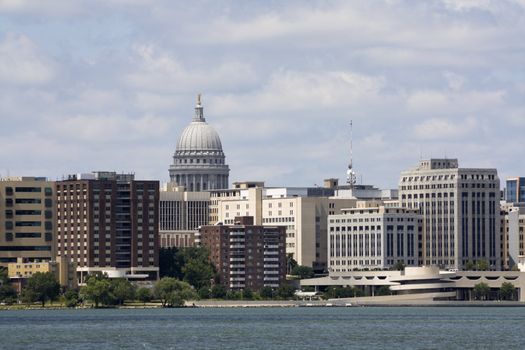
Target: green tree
[[218, 291], [173, 292], [247, 294], [171, 262], [4, 277], [507, 291], [204, 293], [198, 273], [470, 266], [189, 264], [233, 295], [8, 294], [481, 291], [144, 295], [98, 290], [122, 290], [266, 293], [483, 265], [303, 272], [285, 291], [43, 286], [28, 296], [70, 297]]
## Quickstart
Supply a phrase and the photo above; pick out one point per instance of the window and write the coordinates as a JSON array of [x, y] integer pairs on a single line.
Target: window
[[28, 189], [9, 236]]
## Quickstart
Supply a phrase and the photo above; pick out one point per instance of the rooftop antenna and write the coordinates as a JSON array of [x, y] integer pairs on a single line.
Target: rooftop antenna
[[350, 173]]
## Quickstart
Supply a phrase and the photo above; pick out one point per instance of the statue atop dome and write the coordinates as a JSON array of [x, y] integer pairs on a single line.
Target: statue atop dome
[[199, 111]]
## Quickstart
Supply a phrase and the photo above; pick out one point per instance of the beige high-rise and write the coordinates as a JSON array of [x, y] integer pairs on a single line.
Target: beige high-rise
[[27, 219], [460, 209]]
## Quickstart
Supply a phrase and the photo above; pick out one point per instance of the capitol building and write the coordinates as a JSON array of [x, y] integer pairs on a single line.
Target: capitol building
[[199, 162]]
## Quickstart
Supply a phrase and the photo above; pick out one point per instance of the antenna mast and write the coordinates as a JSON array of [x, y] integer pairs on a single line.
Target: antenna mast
[[350, 173]]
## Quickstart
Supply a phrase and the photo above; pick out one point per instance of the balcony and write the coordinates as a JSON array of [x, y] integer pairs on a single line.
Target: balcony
[[237, 246], [270, 259], [232, 240], [236, 285], [271, 252], [237, 279], [237, 266], [271, 266], [237, 233], [271, 272], [272, 246], [237, 272], [236, 259], [271, 279]]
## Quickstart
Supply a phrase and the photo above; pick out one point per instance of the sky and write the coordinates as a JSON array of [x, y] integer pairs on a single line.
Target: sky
[[111, 84]]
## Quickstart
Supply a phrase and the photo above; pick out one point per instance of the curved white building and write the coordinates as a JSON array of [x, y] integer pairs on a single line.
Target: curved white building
[[199, 161]]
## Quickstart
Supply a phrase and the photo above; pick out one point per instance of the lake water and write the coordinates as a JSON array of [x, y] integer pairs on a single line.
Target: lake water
[[266, 328]]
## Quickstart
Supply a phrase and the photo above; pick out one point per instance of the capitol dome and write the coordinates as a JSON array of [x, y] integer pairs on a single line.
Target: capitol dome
[[199, 136], [199, 162]]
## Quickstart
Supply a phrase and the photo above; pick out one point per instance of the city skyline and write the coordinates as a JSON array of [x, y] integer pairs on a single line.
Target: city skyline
[[112, 88]]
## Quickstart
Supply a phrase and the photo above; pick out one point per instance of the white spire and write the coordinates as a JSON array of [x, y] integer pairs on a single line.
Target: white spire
[[350, 173]]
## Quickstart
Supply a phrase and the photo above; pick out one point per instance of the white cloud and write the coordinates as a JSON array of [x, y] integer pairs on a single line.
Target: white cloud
[[108, 128], [158, 70], [22, 63], [295, 91], [442, 129]]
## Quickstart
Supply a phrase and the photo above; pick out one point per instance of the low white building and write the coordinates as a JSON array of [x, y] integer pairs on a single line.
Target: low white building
[[373, 236]]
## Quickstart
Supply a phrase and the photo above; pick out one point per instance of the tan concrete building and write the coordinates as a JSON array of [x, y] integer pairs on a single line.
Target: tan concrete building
[[232, 193], [181, 213], [512, 234], [64, 271], [460, 209], [304, 212], [27, 219]]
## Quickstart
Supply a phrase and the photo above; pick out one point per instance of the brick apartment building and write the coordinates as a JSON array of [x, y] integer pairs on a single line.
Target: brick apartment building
[[108, 222], [246, 256]]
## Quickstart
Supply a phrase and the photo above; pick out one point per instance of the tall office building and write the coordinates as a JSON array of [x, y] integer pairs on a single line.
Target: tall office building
[[199, 161], [460, 209], [109, 223], [373, 236], [515, 190], [246, 256], [27, 220], [181, 214]]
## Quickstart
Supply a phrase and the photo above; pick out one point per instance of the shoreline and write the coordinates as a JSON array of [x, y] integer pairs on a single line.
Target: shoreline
[[218, 304]]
